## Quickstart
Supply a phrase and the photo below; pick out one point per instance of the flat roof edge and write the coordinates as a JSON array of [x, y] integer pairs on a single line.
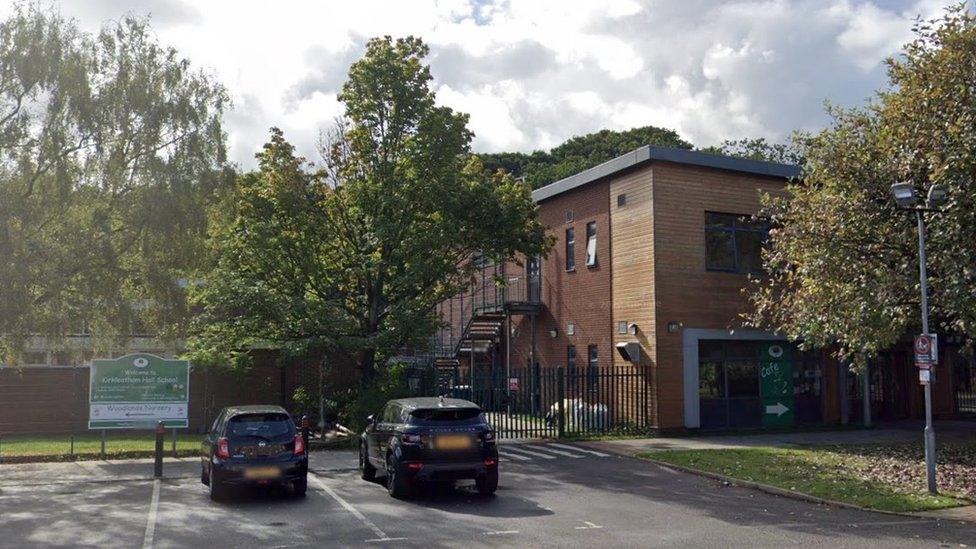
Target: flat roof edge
[[665, 154]]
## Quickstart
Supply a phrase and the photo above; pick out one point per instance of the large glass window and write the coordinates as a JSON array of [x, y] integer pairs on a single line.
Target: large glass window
[[734, 242]]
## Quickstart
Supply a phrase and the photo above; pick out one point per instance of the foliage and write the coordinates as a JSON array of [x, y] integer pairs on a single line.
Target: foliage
[[109, 148], [390, 384], [579, 153], [352, 258], [760, 149], [822, 472], [843, 261]]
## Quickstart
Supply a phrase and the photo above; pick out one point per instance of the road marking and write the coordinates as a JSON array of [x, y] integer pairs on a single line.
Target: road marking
[[562, 453], [517, 457], [589, 526], [380, 535], [147, 540], [501, 533], [384, 540], [578, 449], [522, 450]]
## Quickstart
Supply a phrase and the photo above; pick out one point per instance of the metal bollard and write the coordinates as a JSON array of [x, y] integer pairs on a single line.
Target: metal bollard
[[174, 441], [103, 445], [160, 434]]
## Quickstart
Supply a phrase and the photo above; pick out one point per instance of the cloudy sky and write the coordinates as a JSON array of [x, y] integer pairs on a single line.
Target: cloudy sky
[[532, 73]]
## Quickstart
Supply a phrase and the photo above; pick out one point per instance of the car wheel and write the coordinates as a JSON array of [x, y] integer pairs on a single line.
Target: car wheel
[[218, 491], [487, 483], [300, 487], [366, 469], [396, 485]]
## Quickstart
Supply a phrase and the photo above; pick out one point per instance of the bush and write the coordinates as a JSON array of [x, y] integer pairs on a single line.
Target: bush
[[390, 384]]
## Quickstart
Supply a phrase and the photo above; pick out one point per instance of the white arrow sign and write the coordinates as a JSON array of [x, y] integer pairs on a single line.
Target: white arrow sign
[[778, 409]]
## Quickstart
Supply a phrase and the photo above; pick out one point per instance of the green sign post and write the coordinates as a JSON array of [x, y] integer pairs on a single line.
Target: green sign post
[[137, 391], [776, 384]]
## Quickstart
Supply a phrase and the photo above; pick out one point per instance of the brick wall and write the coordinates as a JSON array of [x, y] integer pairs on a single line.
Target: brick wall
[[582, 296], [54, 400]]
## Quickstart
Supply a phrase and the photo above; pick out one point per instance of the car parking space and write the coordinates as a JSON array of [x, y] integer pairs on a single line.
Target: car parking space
[[574, 496]]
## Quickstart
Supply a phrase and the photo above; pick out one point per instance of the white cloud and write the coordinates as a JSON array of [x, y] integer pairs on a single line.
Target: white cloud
[[532, 73]]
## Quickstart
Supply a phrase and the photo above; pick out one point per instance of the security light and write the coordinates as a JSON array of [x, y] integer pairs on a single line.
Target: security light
[[937, 196], [904, 194]]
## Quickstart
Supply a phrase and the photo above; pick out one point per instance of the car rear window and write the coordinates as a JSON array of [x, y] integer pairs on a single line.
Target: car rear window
[[260, 425], [467, 416]]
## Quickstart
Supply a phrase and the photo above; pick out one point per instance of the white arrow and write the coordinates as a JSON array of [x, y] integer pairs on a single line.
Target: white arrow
[[778, 409]]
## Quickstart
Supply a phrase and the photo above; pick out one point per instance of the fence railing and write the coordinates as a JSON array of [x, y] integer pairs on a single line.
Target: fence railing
[[558, 402]]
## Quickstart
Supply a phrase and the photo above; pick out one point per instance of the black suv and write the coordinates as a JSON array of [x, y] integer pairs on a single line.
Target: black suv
[[429, 439], [253, 445]]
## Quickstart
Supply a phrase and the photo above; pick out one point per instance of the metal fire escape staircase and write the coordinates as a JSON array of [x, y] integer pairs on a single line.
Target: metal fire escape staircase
[[477, 318]]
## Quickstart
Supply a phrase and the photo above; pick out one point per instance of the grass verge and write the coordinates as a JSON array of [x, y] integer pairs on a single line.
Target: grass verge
[[819, 472], [126, 444]]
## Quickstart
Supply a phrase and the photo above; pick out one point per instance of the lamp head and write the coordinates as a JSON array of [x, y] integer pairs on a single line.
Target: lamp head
[[938, 193], [904, 194]]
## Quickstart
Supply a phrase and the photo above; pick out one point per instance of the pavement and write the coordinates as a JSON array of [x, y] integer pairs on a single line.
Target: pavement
[[889, 432], [550, 495]]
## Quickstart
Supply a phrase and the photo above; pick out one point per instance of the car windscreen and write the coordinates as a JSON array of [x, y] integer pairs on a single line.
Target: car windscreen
[[450, 416], [266, 425]]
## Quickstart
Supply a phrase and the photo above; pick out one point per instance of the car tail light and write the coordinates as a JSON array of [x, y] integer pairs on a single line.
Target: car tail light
[[491, 462], [299, 445], [415, 466], [223, 448]]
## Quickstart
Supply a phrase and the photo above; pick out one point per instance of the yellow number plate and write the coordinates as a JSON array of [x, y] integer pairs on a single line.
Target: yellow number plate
[[453, 442], [262, 472]]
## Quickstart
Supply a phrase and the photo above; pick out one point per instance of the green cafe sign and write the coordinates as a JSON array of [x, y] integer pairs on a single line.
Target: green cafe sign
[[776, 384], [137, 391]]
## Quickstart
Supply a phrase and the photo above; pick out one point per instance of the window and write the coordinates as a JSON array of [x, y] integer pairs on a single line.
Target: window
[[734, 242], [570, 329], [591, 244], [622, 327], [569, 216], [391, 414], [621, 200], [570, 250]]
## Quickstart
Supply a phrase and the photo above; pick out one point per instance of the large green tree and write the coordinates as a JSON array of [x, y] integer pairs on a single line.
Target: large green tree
[[109, 147], [353, 257], [579, 153], [843, 262]]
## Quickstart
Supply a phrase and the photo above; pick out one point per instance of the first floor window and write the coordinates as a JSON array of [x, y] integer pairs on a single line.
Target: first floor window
[[570, 249], [734, 242], [591, 244]]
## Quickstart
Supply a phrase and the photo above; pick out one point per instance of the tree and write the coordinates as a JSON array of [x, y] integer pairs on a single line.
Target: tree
[[580, 153], [760, 149], [109, 146], [352, 258], [843, 262]]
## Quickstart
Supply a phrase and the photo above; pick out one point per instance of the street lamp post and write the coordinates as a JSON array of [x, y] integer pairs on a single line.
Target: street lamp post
[[906, 198]]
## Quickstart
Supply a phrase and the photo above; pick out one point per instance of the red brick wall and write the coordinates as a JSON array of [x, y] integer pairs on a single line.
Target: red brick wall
[[583, 296], [55, 400]]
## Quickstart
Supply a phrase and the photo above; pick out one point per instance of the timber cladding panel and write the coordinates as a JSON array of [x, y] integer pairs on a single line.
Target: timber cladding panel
[[633, 261], [684, 291]]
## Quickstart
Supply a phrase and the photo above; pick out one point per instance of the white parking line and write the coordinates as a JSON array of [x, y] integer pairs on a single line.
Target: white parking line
[[562, 453], [505, 454], [147, 540], [502, 533], [589, 526], [380, 535], [578, 449], [522, 450]]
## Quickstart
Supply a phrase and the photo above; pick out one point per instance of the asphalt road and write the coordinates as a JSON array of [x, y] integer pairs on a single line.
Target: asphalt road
[[550, 496]]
